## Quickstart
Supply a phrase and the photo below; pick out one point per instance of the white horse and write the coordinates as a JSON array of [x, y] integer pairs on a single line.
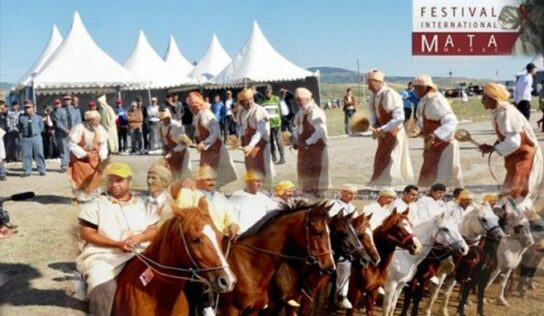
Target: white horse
[[478, 222], [511, 250], [440, 230]]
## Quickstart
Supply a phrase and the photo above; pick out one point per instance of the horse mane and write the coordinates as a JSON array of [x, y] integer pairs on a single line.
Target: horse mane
[[284, 210]]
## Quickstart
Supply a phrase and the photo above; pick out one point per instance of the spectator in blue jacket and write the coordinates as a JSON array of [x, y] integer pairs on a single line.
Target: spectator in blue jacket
[[220, 111], [410, 100]]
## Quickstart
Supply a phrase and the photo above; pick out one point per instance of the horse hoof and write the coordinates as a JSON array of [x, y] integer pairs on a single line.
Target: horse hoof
[[503, 302]]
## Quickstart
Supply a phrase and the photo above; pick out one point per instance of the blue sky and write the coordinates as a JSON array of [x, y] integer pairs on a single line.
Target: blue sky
[[308, 32]]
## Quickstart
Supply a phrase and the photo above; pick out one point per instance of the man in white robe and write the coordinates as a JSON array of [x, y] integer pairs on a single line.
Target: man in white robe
[[344, 207], [158, 202], [311, 142], [392, 162], [250, 204], [212, 150], [460, 206], [441, 158], [517, 143], [410, 194], [253, 119], [430, 205], [284, 192], [175, 145], [107, 119], [111, 227], [88, 154], [380, 208]]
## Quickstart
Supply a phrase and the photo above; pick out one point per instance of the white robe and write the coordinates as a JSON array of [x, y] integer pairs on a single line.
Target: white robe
[[401, 206], [341, 206], [257, 118], [427, 207], [250, 208], [318, 119], [221, 210], [226, 172], [437, 107], [379, 213], [399, 170], [116, 221], [2, 146], [510, 123], [176, 131]]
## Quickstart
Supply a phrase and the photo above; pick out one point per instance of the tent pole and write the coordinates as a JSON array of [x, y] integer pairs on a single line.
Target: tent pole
[[34, 96], [149, 95]]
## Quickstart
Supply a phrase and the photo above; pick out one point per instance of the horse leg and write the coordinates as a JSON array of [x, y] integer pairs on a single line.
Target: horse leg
[[418, 295], [397, 292], [504, 281], [408, 293], [228, 310], [465, 292], [447, 295], [493, 276], [354, 295], [370, 299], [435, 290], [481, 296]]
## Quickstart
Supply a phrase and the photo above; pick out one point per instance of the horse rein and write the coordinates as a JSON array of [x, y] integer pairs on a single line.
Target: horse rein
[[195, 277]]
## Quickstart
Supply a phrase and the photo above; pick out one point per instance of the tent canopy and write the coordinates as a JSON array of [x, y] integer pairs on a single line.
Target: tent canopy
[[175, 60], [79, 65], [213, 62], [146, 63], [55, 39], [257, 62]]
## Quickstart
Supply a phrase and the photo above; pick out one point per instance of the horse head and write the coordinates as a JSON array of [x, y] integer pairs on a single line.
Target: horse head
[[344, 240], [398, 230], [447, 234], [362, 227], [200, 246], [521, 230], [317, 238], [482, 221]]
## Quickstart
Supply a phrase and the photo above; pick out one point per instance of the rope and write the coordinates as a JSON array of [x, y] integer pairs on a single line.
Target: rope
[[219, 295], [198, 279]]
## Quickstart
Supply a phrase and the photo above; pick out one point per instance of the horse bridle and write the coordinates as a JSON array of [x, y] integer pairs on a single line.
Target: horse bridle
[[310, 259], [488, 230], [401, 242]]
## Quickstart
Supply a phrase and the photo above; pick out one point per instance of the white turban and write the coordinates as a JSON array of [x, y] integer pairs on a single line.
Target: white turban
[[303, 93]]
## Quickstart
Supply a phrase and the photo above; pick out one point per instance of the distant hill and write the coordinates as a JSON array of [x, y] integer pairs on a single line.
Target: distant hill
[[342, 76], [5, 86]]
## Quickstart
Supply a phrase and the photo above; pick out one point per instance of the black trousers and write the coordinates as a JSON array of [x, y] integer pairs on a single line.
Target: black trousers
[[122, 133], [524, 107]]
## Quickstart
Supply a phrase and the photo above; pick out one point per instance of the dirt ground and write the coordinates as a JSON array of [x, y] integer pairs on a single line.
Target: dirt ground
[[36, 265]]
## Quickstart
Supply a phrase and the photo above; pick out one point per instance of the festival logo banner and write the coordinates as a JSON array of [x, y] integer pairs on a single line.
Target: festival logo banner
[[473, 28]]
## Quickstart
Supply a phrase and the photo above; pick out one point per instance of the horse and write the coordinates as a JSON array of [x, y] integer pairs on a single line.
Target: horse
[[345, 243], [440, 230], [186, 248], [532, 257], [294, 233], [480, 228], [395, 231], [511, 250]]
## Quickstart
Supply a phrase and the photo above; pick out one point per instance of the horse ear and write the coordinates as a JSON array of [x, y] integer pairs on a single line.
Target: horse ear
[[394, 212], [174, 189], [369, 216], [203, 205], [406, 212], [350, 215]]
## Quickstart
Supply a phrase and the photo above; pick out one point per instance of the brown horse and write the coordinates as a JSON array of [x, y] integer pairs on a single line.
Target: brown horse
[[395, 231], [186, 248], [347, 242], [296, 233]]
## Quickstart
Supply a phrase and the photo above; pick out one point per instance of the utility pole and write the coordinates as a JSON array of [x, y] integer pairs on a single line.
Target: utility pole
[[358, 80]]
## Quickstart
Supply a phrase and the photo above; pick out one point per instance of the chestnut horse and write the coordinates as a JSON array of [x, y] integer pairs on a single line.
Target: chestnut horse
[[295, 233], [185, 248], [395, 231], [351, 239]]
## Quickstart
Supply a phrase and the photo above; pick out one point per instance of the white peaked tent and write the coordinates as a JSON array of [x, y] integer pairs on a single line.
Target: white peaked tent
[[257, 62], [213, 62], [55, 39], [175, 60], [79, 65], [146, 63]]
